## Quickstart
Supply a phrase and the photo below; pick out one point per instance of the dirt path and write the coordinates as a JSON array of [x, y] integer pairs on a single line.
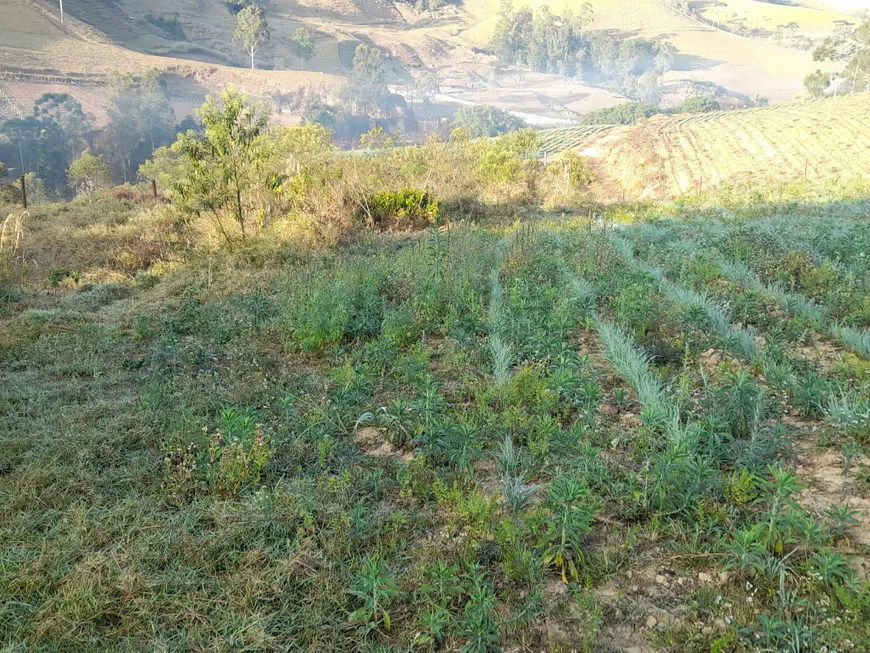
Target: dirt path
[[822, 470]]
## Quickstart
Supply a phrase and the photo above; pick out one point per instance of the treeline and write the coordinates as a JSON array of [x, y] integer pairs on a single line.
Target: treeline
[[430, 5], [545, 42], [630, 113], [45, 144], [848, 46]]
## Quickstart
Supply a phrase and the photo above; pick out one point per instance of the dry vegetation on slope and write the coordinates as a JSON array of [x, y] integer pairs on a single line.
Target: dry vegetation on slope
[[34, 41], [669, 156], [117, 37]]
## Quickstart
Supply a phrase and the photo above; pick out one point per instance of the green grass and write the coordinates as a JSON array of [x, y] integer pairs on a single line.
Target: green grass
[[430, 441]]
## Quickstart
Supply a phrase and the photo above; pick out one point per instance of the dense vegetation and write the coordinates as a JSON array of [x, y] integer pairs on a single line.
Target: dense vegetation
[[630, 113], [46, 143], [558, 44], [481, 121], [430, 5], [849, 46], [476, 438], [241, 177]]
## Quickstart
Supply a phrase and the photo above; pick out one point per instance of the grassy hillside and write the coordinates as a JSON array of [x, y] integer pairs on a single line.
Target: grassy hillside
[[738, 63], [552, 435], [669, 156], [35, 42], [103, 36]]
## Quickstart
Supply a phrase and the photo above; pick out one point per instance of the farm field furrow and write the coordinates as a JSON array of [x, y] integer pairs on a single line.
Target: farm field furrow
[[829, 138]]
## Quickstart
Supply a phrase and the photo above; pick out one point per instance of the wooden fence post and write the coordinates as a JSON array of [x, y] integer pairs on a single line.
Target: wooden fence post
[[154, 188], [23, 192]]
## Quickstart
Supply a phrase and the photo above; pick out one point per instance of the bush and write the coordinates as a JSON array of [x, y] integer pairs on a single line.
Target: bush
[[485, 121], [622, 114], [400, 209], [699, 105], [170, 25]]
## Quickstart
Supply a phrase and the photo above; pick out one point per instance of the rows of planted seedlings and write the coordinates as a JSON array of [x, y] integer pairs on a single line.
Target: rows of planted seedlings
[[811, 313], [780, 316], [827, 265], [436, 431], [737, 446], [839, 392]]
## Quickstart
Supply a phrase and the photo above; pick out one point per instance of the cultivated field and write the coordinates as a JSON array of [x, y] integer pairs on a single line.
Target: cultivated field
[[553, 141], [668, 156], [544, 437]]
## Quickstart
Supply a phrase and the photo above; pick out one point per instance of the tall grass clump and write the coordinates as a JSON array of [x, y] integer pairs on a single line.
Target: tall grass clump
[[851, 412], [635, 366], [739, 340], [858, 340], [11, 265], [499, 348], [583, 290]]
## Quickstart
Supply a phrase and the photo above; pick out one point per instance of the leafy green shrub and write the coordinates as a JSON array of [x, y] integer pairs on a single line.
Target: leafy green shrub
[[375, 587], [740, 489], [485, 121], [408, 209], [571, 512], [399, 325], [59, 275], [699, 105]]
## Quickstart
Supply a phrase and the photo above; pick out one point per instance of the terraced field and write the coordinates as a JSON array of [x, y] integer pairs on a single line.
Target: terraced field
[[668, 156]]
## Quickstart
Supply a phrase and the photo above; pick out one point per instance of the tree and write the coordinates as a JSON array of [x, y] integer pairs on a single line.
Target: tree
[[89, 173], [223, 171], [140, 118], [575, 170], [36, 192], [41, 147], [501, 34], [817, 83], [377, 138], [851, 46], [302, 144], [3, 169], [67, 112], [587, 15], [365, 87], [252, 30], [485, 120], [303, 45]]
